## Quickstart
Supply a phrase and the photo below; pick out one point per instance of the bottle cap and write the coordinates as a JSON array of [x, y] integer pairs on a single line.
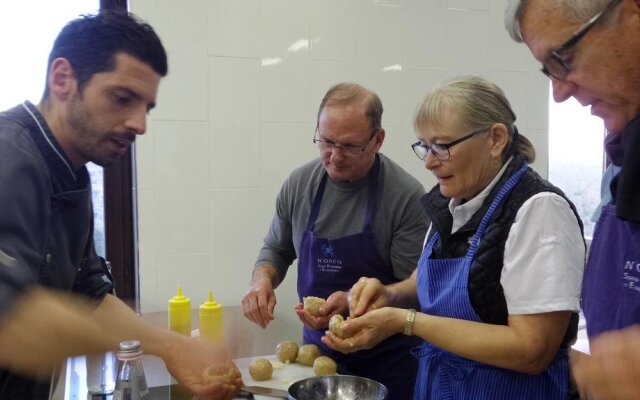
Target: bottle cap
[[130, 346], [129, 350], [210, 306], [179, 299]]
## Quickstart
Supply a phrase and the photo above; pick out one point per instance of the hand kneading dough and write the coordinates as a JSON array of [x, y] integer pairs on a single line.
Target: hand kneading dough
[[336, 325], [308, 354], [220, 373], [312, 305], [260, 369], [323, 365], [287, 351]]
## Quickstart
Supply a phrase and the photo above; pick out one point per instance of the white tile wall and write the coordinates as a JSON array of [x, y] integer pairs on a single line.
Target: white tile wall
[[237, 114]]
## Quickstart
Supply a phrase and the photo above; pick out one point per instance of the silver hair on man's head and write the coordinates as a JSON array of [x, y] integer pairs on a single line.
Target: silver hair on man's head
[[512, 16], [572, 10]]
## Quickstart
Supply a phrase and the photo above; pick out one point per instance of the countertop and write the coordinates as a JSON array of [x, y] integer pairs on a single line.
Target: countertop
[[242, 338]]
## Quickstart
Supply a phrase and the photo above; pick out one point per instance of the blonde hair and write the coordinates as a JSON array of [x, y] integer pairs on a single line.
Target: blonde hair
[[475, 103]]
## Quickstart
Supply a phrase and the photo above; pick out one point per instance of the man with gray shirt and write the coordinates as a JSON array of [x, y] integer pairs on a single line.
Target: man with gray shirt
[[350, 213]]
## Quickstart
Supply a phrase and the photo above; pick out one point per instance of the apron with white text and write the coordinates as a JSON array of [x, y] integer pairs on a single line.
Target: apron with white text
[[611, 284], [443, 291], [326, 266]]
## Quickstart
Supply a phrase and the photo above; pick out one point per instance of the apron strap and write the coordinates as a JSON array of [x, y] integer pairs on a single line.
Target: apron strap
[[315, 208], [506, 188], [372, 202], [372, 198]]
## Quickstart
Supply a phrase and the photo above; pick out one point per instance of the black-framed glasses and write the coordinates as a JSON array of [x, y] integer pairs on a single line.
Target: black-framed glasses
[[347, 149], [441, 150], [555, 65]]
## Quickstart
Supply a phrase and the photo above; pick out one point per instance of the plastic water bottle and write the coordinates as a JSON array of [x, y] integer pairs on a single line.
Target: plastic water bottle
[[101, 373], [131, 383]]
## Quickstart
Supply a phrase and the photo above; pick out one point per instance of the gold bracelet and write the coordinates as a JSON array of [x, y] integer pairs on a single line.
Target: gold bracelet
[[408, 324]]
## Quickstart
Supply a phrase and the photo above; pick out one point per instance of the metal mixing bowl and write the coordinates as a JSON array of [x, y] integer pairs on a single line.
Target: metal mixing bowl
[[337, 387]]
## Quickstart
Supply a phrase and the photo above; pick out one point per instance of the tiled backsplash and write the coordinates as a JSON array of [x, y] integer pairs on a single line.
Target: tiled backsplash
[[236, 114]]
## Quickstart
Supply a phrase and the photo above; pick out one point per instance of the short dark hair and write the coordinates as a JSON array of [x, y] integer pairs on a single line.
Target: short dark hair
[[91, 42]]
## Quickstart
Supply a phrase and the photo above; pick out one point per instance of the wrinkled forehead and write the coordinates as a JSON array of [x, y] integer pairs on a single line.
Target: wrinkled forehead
[[352, 113]]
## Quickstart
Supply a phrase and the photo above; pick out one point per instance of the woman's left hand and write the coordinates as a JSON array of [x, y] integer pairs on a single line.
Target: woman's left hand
[[367, 331]]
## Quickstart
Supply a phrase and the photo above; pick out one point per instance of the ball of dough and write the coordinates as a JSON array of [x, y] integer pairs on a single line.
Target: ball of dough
[[287, 351], [323, 365], [336, 325], [312, 305], [260, 369], [221, 373], [308, 353]]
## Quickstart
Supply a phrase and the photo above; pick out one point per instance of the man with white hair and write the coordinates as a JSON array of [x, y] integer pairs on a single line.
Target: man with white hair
[[590, 49]]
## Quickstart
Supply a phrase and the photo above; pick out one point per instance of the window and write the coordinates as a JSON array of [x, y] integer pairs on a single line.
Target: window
[[25, 77], [576, 156]]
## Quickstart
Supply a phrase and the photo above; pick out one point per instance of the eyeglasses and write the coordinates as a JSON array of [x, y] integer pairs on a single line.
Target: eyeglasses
[[441, 150], [347, 149], [556, 65]]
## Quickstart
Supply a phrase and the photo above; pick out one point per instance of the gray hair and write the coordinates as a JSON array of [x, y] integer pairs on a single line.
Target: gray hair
[[572, 10], [343, 94], [473, 103]]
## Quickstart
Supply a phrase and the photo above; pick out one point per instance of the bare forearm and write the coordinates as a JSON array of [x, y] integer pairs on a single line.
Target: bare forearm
[[403, 293], [120, 323], [43, 328], [527, 344], [267, 272]]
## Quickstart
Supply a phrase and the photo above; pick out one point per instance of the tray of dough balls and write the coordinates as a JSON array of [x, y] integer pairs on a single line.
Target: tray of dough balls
[[290, 364]]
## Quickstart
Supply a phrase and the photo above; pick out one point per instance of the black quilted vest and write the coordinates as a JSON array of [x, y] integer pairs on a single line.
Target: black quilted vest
[[485, 291]]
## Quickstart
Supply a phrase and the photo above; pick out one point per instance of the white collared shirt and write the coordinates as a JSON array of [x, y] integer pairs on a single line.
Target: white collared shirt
[[544, 254]]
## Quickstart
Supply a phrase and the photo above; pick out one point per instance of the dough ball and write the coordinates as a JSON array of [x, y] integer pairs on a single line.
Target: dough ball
[[336, 325], [260, 369], [323, 365], [312, 305], [308, 353], [287, 351], [221, 373]]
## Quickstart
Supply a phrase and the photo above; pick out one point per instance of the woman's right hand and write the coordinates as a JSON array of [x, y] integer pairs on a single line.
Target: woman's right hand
[[368, 294]]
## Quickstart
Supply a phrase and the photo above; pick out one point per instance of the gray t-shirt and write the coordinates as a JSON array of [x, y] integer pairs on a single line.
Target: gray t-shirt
[[399, 224]]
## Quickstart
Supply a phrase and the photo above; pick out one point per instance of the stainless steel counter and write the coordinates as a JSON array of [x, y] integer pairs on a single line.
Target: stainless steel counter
[[242, 338]]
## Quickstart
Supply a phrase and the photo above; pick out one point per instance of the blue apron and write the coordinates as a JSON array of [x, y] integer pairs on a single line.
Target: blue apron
[[326, 266], [443, 291], [611, 283]]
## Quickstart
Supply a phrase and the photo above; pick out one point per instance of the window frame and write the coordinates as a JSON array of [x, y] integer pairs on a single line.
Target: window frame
[[119, 212]]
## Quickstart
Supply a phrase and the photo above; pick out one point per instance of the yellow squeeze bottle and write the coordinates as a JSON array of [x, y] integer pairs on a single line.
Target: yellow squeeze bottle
[[180, 313], [211, 320]]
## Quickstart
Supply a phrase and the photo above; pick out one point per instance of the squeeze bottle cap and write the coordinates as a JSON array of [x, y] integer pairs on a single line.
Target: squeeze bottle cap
[[179, 299], [210, 306]]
